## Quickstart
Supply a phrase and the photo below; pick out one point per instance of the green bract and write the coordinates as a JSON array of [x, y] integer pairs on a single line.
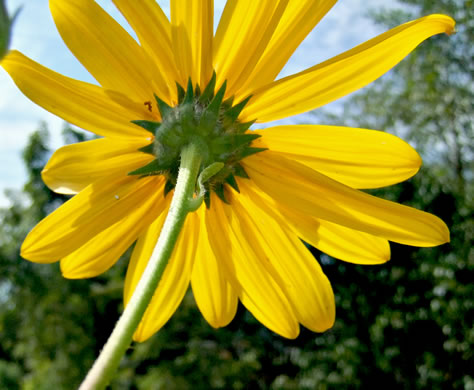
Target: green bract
[[205, 120]]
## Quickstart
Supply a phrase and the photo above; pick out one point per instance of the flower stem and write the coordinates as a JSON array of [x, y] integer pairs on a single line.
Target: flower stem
[[109, 359]]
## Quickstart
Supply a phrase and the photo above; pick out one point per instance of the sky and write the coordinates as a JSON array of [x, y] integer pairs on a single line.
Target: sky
[[35, 34]]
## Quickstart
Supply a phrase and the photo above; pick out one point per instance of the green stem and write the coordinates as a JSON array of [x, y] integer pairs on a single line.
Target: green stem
[[109, 359]]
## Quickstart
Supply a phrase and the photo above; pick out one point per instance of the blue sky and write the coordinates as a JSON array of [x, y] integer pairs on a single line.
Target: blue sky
[[35, 35]]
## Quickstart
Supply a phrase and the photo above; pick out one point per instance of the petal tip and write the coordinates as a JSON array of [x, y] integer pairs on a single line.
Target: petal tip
[[71, 271], [140, 335], [439, 234], [27, 249], [30, 251], [444, 234], [446, 21], [325, 323], [71, 275], [291, 334], [24, 252], [450, 25]]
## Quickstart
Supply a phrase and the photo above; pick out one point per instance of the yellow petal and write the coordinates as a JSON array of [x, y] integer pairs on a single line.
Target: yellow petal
[[84, 105], [335, 240], [73, 167], [307, 191], [77, 221], [338, 241], [175, 279], [355, 157], [105, 49], [142, 252], [302, 278], [250, 274], [214, 295], [154, 32], [344, 73], [245, 28], [101, 253], [297, 22], [192, 35]]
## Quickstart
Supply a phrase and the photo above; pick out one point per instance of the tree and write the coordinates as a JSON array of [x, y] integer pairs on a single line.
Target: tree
[[421, 336]]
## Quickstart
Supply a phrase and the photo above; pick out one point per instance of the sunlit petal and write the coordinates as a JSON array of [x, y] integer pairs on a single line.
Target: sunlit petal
[[82, 104], [214, 295], [94, 209], [301, 276], [342, 74], [192, 35], [111, 55], [249, 274], [335, 240], [154, 32], [338, 241], [101, 253], [243, 33], [73, 167], [307, 191], [296, 23], [356, 157]]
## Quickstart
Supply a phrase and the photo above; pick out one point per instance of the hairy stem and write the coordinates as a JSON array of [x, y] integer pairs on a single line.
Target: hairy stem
[[109, 359]]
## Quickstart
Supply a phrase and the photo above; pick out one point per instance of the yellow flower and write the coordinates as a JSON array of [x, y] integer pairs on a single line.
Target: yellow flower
[[294, 181]]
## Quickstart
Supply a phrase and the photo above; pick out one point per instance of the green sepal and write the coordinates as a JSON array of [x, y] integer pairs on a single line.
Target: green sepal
[[249, 151], [148, 125], [197, 91], [210, 115], [232, 182], [207, 123], [215, 105], [240, 171], [181, 92], [234, 112], [188, 121], [150, 149], [211, 123], [243, 127], [207, 199], [169, 136], [208, 92], [188, 98], [227, 104], [219, 190], [169, 186], [152, 168], [228, 143], [164, 108]]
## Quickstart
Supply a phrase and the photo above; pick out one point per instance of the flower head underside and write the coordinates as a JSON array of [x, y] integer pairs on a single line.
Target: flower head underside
[[182, 83]]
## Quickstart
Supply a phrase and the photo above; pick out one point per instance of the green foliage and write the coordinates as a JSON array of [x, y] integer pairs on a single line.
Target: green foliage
[[5, 28], [405, 324], [47, 329]]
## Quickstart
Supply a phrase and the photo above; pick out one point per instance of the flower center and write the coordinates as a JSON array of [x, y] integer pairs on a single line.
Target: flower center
[[208, 121]]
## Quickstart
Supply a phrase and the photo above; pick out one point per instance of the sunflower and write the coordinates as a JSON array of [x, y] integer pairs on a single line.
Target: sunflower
[[181, 84]]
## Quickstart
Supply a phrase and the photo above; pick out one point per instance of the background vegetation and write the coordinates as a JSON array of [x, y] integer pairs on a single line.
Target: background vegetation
[[405, 324]]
